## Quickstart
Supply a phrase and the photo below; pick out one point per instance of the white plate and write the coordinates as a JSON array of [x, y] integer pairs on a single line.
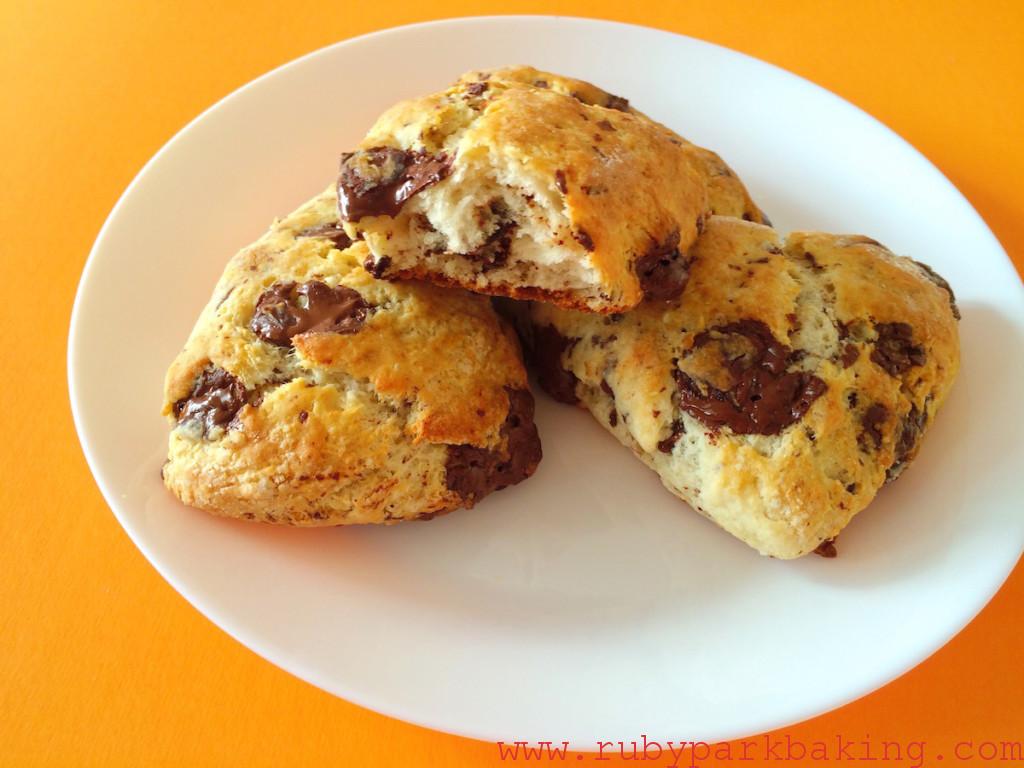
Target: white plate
[[586, 603]]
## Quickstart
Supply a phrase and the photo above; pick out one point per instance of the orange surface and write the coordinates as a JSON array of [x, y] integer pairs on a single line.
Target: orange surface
[[101, 662]]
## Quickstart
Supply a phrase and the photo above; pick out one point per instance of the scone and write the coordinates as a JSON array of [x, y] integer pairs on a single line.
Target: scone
[[310, 393], [515, 188], [790, 381], [727, 195]]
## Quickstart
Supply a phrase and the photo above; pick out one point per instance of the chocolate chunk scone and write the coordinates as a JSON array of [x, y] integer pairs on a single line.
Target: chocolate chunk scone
[[727, 196], [505, 185], [790, 381], [310, 393]]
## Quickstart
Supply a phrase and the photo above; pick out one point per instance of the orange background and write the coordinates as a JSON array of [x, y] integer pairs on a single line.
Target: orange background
[[101, 662]]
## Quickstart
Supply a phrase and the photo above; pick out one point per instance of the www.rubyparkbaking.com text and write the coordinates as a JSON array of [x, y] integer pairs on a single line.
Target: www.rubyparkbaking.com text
[[781, 750]]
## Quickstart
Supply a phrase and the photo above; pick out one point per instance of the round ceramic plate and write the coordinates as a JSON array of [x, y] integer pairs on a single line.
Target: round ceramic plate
[[586, 603]]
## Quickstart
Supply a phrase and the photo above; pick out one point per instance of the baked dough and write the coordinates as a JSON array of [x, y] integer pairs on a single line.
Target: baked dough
[[506, 185], [310, 393], [789, 382], [727, 196]]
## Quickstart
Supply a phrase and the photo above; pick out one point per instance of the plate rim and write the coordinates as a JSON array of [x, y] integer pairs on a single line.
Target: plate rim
[[294, 665]]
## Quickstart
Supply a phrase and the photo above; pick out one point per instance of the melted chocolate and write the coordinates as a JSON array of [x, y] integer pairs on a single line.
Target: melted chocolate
[[617, 102], [494, 251], [377, 268], [827, 548], [911, 429], [812, 262], [548, 347], [378, 181], [560, 181], [669, 443], [663, 270], [285, 310], [215, 399], [849, 355], [764, 399], [475, 472], [895, 350], [613, 415], [873, 418], [583, 238], [332, 232]]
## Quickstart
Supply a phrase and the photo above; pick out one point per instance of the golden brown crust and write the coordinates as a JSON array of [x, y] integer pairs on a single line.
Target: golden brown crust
[[583, 191], [727, 195], [858, 347], [565, 299], [331, 427]]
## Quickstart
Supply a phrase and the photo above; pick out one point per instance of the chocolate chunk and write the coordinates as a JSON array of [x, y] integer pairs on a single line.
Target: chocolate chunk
[[940, 281], [548, 347], [377, 268], [617, 103], [285, 310], [895, 350], [764, 399], [827, 549], [494, 251], [663, 270], [849, 355], [581, 237], [669, 443], [475, 472], [613, 415], [812, 262], [540, 83], [476, 89], [604, 125], [911, 429], [560, 183], [378, 181], [215, 399], [332, 232], [873, 418]]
